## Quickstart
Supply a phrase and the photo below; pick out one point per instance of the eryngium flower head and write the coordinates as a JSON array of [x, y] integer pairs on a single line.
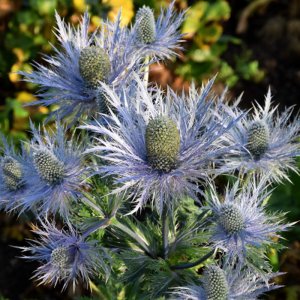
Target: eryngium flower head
[[158, 146], [227, 284], [12, 179], [94, 66], [65, 256], [146, 29], [268, 141], [54, 172], [72, 79], [240, 220], [158, 38]]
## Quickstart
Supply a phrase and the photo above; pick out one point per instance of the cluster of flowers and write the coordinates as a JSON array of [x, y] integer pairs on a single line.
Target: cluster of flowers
[[158, 147]]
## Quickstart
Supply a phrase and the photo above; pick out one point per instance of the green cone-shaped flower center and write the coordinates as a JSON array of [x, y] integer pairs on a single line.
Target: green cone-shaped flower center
[[60, 257], [162, 144], [94, 66], [48, 166], [215, 284], [258, 139], [231, 219], [12, 173], [146, 26]]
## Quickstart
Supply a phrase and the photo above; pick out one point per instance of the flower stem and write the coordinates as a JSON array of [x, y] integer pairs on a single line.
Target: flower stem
[[193, 264], [101, 224], [146, 75], [165, 232]]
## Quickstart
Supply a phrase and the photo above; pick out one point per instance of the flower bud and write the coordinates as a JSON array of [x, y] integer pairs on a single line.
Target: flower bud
[[60, 257], [231, 219], [146, 26], [215, 284], [162, 143], [12, 173], [94, 66], [50, 169], [258, 139]]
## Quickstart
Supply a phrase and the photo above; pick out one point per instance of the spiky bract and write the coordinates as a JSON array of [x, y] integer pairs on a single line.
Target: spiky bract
[[54, 172], [229, 283], [94, 66], [125, 146], [268, 142], [240, 220], [65, 256]]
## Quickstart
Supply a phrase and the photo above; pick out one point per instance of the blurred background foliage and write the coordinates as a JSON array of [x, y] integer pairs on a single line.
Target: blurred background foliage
[[251, 44]]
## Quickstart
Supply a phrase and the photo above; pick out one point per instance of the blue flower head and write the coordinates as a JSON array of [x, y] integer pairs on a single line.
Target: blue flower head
[[158, 38], [54, 172], [158, 150], [268, 142], [12, 179], [240, 219], [74, 73], [65, 256], [226, 284]]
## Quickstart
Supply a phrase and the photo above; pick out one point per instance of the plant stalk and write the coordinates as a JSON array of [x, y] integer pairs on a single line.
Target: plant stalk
[[165, 232], [193, 264]]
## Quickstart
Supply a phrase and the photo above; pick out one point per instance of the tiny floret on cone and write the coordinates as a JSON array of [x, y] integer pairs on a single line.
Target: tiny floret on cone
[[162, 143], [48, 166], [258, 139], [94, 66], [146, 25], [12, 173], [215, 283]]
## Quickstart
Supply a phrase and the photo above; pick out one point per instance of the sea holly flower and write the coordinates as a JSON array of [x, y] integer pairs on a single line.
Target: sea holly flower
[[268, 141], [158, 38], [240, 219], [54, 172], [226, 284], [65, 256], [72, 79], [12, 179], [158, 150]]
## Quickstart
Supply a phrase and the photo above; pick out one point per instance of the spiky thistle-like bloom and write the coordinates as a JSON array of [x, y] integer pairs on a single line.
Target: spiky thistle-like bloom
[[12, 180], [226, 284], [73, 75], [158, 146], [240, 220], [54, 172], [268, 141], [158, 38], [65, 256]]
